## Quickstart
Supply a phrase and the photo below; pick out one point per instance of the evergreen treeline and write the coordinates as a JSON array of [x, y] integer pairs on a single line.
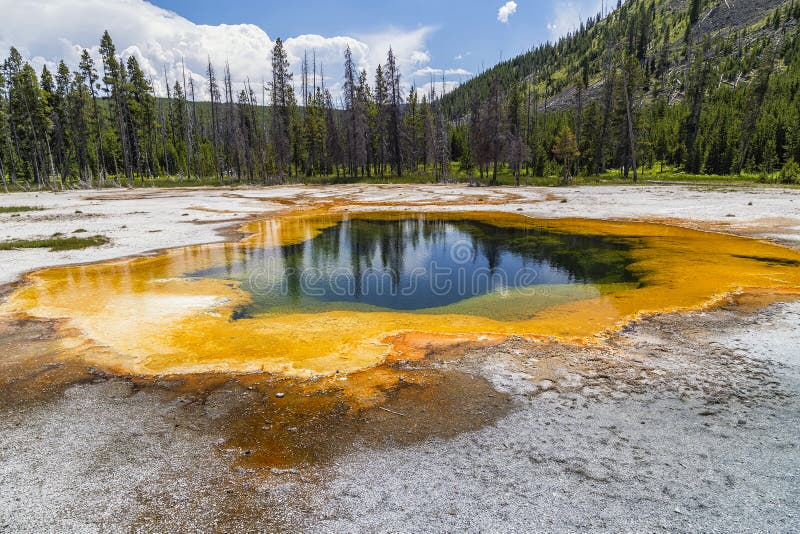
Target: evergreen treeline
[[646, 86], [103, 124]]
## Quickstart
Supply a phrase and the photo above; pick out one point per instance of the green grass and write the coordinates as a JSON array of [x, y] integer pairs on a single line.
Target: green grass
[[19, 209], [457, 175], [505, 178], [57, 242], [667, 177]]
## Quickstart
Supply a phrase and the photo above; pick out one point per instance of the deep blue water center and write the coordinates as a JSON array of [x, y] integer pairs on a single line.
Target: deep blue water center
[[417, 263]]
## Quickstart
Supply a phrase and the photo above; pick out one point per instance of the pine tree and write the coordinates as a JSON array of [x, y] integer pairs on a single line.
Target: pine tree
[[637, 97], [696, 96], [29, 121], [392, 74], [4, 141], [757, 94], [365, 103], [333, 144], [82, 129], [282, 101], [356, 118], [517, 149], [142, 117], [61, 137], [115, 83], [214, 93], [89, 78], [495, 128], [608, 95], [411, 131], [380, 121], [565, 150], [632, 76]]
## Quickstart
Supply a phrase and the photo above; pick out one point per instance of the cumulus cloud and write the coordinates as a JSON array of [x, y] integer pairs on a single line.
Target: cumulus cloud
[[328, 52], [568, 15], [157, 37], [46, 31], [408, 47], [431, 79], [430, 71], [506, 11]]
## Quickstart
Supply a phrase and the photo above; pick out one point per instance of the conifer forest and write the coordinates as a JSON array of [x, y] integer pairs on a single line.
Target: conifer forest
[[652, 87]]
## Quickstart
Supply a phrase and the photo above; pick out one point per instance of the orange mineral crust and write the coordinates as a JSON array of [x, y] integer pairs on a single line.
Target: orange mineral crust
[[150, 318]]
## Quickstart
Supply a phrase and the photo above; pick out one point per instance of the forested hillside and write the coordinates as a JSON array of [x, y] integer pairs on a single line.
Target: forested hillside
[[706, 86], [701, 86]]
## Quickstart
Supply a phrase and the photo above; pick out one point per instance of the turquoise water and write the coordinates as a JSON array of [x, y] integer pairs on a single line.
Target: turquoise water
[[421, 263]]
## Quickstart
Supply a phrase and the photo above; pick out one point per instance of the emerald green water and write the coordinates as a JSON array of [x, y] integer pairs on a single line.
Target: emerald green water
[[427, 264]]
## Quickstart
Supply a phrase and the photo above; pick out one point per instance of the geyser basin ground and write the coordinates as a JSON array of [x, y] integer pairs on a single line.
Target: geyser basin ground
[[315, 293], [642, 425]]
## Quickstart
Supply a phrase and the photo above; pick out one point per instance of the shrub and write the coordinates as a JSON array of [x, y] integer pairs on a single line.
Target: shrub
[[58, 242], [790, 173]]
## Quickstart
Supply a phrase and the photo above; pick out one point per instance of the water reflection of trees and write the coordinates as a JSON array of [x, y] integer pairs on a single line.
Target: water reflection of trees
[[356, 248], [586, 258], [385, 244]]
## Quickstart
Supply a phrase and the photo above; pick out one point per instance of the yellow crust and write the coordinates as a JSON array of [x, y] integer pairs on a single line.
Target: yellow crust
[[150, 321]]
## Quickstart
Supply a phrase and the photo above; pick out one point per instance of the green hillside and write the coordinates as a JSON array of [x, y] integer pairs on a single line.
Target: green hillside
[[712, 87]]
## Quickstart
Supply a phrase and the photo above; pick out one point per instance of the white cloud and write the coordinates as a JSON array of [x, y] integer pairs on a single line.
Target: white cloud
[[408, 47], [430, 71], [568, 15], [48, 30], [419, 56], [506, 11], [329, 53]]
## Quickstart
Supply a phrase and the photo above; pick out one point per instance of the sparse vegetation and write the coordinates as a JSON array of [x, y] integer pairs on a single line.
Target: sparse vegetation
[[790, 173], [565, 150], [57, 242], [19, 209]]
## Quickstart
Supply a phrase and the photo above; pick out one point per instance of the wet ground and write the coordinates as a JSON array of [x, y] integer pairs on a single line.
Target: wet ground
[[679, 422]]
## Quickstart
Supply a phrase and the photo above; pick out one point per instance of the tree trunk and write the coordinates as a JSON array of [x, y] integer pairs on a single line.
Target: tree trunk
[[631, 138], [3, 174], [600, 160]]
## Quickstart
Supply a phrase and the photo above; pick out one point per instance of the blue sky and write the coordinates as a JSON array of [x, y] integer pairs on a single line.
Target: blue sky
[[429, 37], [465, 34]]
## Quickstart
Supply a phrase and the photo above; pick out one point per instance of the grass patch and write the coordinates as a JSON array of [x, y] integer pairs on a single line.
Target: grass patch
[[19, 209], [56, 243], [648, 176]]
